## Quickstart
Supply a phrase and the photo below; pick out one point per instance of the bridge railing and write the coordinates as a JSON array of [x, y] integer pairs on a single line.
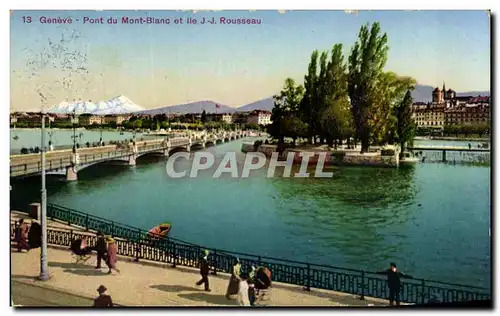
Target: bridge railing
[[134, 243]]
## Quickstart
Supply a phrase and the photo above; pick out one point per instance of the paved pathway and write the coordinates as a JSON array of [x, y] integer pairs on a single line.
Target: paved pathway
[[28, 295], [151, 284]]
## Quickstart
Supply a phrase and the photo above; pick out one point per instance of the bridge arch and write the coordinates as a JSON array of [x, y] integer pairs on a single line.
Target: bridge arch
[[218, 141], [226, 139], [197, 146], [176, 150], [209, 143]]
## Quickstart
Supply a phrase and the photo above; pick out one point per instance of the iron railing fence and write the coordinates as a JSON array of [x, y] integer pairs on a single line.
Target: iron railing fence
[[132, 242]]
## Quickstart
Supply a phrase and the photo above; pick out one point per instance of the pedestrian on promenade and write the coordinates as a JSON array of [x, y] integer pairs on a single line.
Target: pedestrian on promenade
[[204, 269], [243, 299], [35, 235], [394, 282], [103, 300], [111, 257], [100, 249], [22, 236], [233, 286]]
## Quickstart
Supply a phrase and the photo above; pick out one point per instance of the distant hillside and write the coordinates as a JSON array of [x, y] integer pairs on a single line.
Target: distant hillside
[[266, 104], [193, 107], [422, 93]]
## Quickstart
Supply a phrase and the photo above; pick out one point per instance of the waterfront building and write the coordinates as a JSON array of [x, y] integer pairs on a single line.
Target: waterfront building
[[220, 117], [429, 117], [447, 108], [259, 117], [473, 114], [89, 119], [118, 119]]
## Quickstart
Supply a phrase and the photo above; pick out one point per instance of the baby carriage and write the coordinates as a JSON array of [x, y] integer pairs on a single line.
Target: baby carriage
[[262, 282], [80, 250]]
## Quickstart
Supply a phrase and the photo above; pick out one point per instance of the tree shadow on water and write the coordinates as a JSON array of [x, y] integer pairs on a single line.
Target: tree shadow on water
[[209, 298], [173, 288]]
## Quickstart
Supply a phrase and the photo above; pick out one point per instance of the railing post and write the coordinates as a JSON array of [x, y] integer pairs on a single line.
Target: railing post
[[138, 247], [174, 250], [87, 222], [423, 292], [362, 285], [112, 229], [69, 217], [215, 262], [308, 283]]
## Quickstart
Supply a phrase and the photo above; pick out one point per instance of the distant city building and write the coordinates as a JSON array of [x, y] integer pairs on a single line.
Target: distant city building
[[220, 117], [118, 119], [89, 119], [448, 109], [259, 117], [473, 114]]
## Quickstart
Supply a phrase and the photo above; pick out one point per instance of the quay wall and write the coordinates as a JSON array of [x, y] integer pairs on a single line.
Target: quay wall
[[336, 157]]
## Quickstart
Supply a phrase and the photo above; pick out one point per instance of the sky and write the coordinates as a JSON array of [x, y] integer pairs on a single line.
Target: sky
[[169, 64]]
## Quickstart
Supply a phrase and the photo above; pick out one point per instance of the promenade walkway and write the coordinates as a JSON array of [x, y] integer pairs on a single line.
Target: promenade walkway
[[153, 284]]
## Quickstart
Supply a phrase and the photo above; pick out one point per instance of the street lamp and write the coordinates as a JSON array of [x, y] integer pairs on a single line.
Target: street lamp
[[73, 121], [44, 273]]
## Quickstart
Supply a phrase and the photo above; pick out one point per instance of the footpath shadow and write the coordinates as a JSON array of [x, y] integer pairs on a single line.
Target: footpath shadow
[[25, 277], [173, 288], [70, 265], [86, 272], [209, 298]]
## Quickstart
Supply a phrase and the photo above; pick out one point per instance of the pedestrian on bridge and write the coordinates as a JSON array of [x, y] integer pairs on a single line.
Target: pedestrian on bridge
[[394, 282], [204, 270]]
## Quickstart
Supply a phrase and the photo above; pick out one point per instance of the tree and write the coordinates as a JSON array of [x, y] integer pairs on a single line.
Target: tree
[[307, 104], [285, 104], [293, 127], [405, 123], [387, 95], [112, 124], [366, 63], [137, 124], [203, 117], [165, 125], [333, 118]]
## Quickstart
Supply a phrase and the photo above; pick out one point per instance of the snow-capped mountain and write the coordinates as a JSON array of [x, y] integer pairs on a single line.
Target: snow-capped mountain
[[118, 105]]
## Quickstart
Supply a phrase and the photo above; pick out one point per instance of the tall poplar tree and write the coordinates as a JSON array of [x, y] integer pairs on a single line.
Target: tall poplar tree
[[307, 103], [366, 64], [405, 123]]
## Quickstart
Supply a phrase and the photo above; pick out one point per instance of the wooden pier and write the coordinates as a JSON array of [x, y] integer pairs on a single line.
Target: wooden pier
[[444, 149]]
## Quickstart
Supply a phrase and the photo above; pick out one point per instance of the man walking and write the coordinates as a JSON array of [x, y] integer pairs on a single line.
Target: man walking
[[103, 300], [394, 282], [204, 269], [101, 249]]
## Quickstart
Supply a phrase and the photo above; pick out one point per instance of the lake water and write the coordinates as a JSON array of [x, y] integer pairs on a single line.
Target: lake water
[[432, 219]]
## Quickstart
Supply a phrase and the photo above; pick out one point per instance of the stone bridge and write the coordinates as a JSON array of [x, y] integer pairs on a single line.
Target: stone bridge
[[66, 163]]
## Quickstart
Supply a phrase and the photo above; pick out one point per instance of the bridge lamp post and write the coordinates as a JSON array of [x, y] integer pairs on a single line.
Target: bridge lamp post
[[44, 273], [73, 121]]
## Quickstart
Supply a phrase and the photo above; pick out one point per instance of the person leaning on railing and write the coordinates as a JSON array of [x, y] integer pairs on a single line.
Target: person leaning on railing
[[394, 282]]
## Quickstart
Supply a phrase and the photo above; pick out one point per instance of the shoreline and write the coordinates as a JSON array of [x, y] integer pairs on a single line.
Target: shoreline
[[474, 139]]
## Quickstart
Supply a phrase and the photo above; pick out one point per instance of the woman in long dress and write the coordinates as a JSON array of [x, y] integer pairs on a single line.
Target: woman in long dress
[[111, 260], [234, 281], [22, 236]]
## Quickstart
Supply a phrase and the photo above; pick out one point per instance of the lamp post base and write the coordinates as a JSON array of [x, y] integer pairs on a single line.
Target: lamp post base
[[43, 277]]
